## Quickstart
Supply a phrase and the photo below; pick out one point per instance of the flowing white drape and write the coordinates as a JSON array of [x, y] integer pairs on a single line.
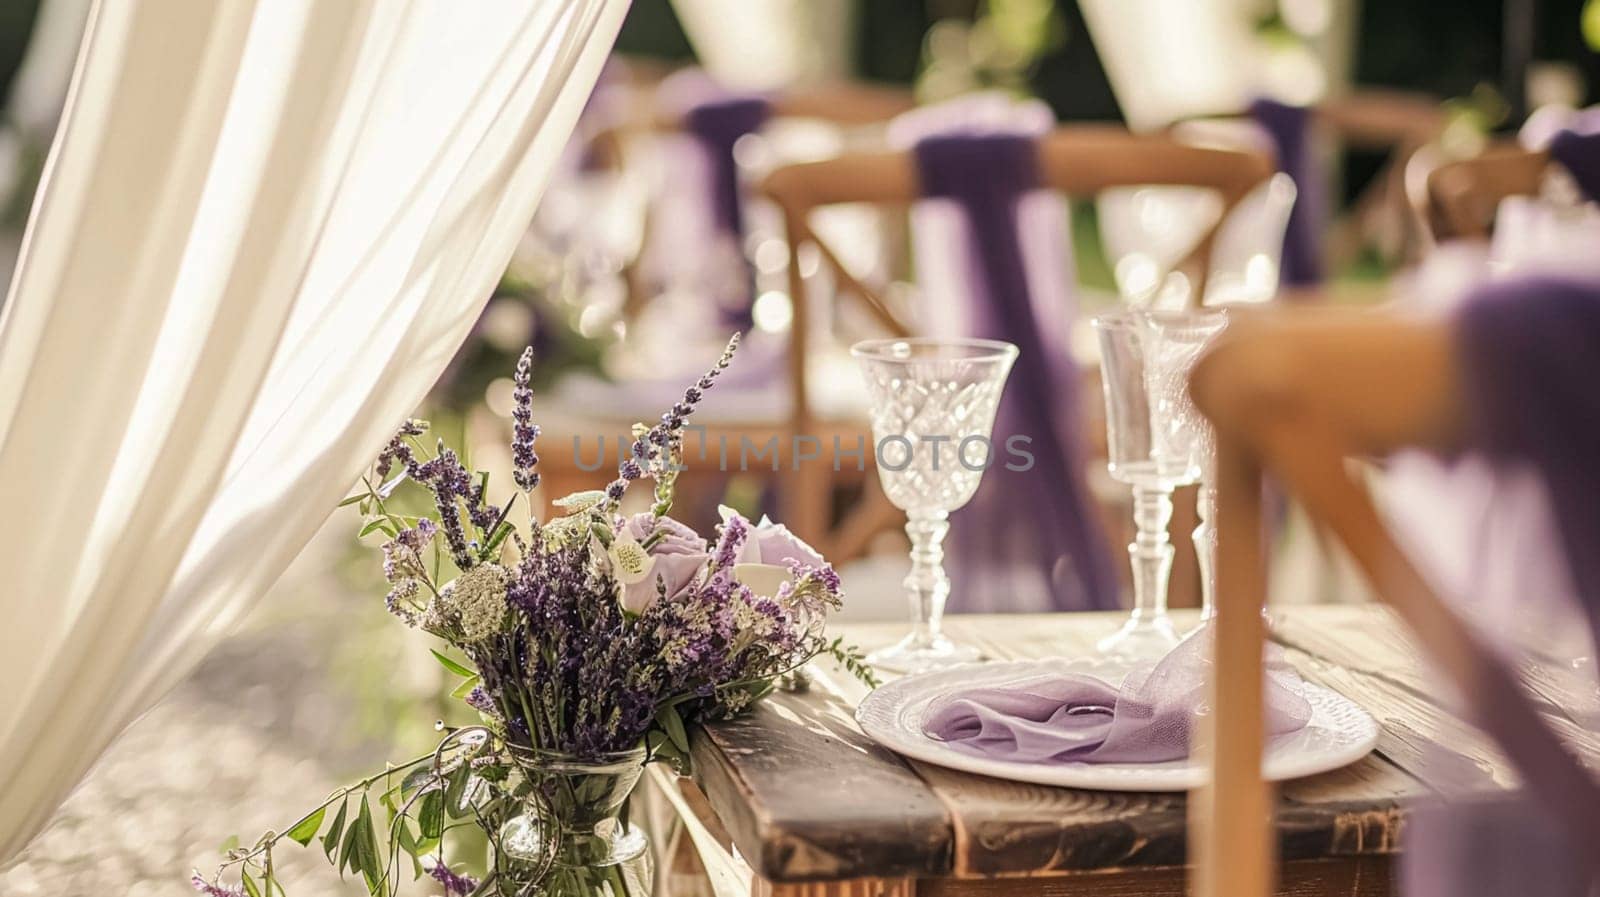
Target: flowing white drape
[[265, 227]]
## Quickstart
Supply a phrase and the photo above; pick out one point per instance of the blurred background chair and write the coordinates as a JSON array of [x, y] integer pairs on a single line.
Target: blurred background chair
[[702, 265], [1463, 196], [1073, 161]]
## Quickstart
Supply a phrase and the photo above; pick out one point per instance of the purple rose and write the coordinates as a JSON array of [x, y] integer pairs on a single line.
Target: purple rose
[[672, 536], [678, 556], [772, 543]]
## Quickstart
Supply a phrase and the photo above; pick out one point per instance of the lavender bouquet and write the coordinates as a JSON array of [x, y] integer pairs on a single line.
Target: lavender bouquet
[[592, 639]]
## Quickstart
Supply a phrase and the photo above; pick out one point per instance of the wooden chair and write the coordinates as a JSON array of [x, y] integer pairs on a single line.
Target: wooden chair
[[848, 105], [1266, 389], [1078, 161], [1398, 124], [1463, 196]]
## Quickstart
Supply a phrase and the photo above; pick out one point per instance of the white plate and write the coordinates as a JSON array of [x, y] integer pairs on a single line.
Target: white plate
[[1338, 734]]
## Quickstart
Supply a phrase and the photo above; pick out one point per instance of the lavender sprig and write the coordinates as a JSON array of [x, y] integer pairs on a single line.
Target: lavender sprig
[[655, 450], [211, 889], [731, 537], [453, 488], [399, 450], [454, 885], [524, 431], [450, 481]]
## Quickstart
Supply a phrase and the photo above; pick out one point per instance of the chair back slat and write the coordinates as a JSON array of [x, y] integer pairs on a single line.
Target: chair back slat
[[1464, 195]]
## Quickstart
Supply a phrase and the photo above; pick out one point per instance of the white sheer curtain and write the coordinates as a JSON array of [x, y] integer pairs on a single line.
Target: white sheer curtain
[[265, 227]]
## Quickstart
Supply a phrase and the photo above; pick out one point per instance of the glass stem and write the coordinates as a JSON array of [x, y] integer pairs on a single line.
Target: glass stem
[[927, 585], [1151, 551], [1205, 548]]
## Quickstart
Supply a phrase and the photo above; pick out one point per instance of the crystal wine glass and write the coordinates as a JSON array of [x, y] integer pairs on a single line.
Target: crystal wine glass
[[1176, 341], [933, 409], [1153, 437]]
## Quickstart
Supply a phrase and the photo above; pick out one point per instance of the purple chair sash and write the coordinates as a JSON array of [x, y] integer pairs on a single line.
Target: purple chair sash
[[1289, 128], [717, 125], [1042, 517], [1579, 154], [1530, 351]]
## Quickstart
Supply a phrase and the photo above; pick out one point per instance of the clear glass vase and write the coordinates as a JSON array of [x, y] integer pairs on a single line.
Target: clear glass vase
[[572, 837]]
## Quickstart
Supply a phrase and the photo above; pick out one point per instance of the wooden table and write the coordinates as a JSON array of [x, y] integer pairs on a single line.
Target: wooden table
[[799, 802]]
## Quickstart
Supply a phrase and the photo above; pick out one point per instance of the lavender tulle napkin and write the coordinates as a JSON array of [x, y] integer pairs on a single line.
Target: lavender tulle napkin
[[1065, 717]]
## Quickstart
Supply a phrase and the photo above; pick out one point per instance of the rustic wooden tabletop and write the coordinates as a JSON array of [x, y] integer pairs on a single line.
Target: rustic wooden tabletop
[[804, 796]]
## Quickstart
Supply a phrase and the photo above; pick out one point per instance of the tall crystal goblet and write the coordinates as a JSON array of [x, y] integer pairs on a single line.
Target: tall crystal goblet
[[933, 410], [1153, 445], [1176, 341]]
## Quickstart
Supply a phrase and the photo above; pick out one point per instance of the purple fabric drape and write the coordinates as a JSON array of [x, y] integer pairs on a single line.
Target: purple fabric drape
[[1579, 154], [716, 126], [1530, 353], [1041, 517], [1290, 127]]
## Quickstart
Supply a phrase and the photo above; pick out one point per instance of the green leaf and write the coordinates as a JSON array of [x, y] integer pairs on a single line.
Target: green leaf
[[408, 843], [403, 837], [430, 815], [466, 687], [249, 885], [419, 777], [307, 829], [672, 723], [380, 524], [347, 848], [579, 502], [330, 841], [502, 531], [451, 665], [359, 496], [231, 844], [367, 861], [457, 788]]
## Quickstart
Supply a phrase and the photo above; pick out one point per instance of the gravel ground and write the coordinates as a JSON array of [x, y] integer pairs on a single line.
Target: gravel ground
[[259, 733]]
